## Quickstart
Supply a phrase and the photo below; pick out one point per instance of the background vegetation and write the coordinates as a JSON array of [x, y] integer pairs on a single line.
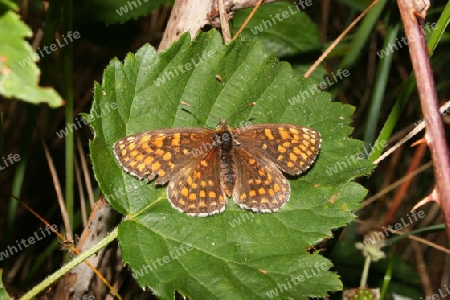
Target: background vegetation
[[415, 267]]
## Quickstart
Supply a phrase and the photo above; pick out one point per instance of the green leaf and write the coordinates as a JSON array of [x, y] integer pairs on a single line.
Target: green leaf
[[19, 74], [3, 293], [281, 27], [116, 11], [236, 254]]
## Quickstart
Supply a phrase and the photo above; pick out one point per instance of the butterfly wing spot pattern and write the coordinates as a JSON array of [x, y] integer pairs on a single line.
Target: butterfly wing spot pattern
[[202, 167]]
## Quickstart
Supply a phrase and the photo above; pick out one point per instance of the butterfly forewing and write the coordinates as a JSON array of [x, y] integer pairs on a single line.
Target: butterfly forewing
[[292, 148], [161, 152]]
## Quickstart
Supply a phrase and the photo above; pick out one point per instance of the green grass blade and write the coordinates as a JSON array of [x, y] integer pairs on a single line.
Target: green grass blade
[[400, 104], [380, 86]]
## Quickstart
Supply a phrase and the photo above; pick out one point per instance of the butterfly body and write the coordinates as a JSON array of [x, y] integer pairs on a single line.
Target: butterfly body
[[203, 167], [223, 139]]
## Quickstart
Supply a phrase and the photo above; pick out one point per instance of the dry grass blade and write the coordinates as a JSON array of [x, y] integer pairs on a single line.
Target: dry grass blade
[[60, 197], [338, 39], [250, 16]]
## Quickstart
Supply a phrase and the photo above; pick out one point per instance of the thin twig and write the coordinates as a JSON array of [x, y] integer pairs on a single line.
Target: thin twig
[[80, 191], [59, 195], [250, 16], [87, 179], [434, 135], [395, 184], [420, 126], [402, 190], [428, 243], [72, 248], [224, 22], [422, 268], [70, 265], [338, 39]]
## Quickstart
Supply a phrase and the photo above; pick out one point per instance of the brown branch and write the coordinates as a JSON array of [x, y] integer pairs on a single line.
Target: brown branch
[[192, 15], [224, 22], [235, 5], [186, 15], [434, 135]]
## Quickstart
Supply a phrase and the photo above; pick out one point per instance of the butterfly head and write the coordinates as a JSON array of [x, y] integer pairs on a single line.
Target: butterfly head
[[222, 126], [222, 136]]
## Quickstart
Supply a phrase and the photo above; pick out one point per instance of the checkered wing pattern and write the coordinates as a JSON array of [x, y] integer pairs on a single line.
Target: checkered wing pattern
[[204, 166], [161, 153], [196, 188], [260, 185], [293, 149]]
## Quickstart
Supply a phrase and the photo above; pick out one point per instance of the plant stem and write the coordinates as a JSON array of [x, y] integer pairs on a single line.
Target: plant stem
[[70, 265], [434, 134]]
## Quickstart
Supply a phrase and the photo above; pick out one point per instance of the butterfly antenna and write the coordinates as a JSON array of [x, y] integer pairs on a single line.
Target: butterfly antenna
[[244, 108], [218, 118], [190, 112]]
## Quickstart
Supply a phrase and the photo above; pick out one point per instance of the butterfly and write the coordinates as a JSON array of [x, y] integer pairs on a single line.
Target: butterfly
[[203, 167]]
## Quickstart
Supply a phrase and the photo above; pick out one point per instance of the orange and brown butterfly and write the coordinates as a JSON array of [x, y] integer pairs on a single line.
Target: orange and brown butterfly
[[203, 167]]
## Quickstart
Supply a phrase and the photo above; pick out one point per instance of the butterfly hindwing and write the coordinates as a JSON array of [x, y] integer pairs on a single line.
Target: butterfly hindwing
[[196, 189], [260, 185]]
